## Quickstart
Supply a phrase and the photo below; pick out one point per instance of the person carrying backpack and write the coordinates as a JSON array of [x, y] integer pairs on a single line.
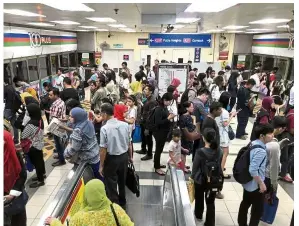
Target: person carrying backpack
[[249, 170], [191, 93], [207, 175]]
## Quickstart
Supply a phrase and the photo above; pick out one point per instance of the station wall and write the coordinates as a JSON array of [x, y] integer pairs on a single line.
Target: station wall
[[129, 41]]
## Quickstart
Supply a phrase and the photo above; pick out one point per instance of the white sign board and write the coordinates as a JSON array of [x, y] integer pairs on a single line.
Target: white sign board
[[167, 72]]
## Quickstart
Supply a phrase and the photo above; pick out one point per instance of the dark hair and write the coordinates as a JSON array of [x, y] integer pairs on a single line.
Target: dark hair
[[102, 80], [72, 103], [105, 65], [107, 101], [157, 60], [263, 129], [125, 90], [210, 136], [110, 76], [93, 82], [183, 107], [18, 79], [209, 70], [189, 61], [221, 73], [59, 69], [147, 65], [145, 82], [203, 90], [166, 96], [215, 106], [141, 68], [67, 81], [201, 76], [150, 88], [170, 89], [276, 90], [107, 108], [234, 75], [251, 81], [227, 67], [212, 71], [224, 99], [124, 63], [55, 91], [195, 83], [124, 75], [279, 122], [45, 84], [138, 76], [176, 133], [195, 69], [132, 98], [219, 81]]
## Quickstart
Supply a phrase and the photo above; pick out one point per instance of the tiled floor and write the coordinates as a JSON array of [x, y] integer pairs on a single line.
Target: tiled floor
[[226, 209]]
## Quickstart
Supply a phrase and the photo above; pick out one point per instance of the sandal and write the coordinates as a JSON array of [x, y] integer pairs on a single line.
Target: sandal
[[160, 172], [162, 166], [226, 176]]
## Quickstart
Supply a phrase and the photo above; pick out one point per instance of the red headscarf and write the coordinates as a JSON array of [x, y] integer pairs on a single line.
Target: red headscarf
[[176, 82], [12, 166], [267, 103]]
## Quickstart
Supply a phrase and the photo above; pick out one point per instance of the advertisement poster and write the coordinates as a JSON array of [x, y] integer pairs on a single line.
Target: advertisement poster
[[126, 57], [98, 56], [224, 46], [167, 72], [75, 203], [241, 61]]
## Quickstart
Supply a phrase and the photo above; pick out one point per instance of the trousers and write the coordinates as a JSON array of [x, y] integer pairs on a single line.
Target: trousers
[[242, 124], [37, 159], [160, 137], [146, 140]]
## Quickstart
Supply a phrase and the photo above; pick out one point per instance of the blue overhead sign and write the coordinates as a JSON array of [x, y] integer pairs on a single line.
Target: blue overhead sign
[[180, 40]]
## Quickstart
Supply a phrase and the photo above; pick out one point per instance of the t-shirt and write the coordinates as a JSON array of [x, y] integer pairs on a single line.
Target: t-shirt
[[69, 93], [126, 83], [59, 82], [175, 149], [132, 113]]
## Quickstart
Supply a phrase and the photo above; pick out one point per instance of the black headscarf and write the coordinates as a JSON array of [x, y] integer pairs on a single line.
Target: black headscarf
[[35, 115], [30, 100]]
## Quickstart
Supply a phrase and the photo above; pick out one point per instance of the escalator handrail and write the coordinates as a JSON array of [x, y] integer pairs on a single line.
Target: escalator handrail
[[64, 194], [182, 207]]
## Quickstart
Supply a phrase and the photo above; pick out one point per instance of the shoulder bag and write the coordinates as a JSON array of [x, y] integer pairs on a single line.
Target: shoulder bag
[[114, 214], [27, 143], [230, 132]]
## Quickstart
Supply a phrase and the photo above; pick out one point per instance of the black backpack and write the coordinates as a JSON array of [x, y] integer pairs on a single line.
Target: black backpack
[[17, 102], [242, 162], [150, 121], [185, 95], [211, 172]]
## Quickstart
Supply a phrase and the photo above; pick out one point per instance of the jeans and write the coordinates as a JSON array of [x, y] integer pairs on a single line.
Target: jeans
[[200, 196], [59, 148], [160, 137], [254, 199], [37, 159], [10, 116], [242, 124]]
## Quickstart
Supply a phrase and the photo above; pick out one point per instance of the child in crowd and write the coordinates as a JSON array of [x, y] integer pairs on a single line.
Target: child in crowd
[[175, 149]]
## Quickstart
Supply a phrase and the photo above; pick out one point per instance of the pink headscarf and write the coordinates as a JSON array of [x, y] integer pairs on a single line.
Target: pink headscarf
[[267, 103], [191, 78], [175, 82]]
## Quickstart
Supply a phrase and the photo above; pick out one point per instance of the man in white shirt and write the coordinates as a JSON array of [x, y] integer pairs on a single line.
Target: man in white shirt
[[82, 72], [59, 81], [150, 73], [256, 78]]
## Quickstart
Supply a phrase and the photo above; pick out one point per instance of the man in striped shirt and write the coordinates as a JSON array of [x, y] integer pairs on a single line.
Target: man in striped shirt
[[57, 110]]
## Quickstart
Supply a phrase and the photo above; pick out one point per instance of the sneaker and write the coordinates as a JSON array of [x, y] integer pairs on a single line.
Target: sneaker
[[287, 179], [37, 184], [141, 152], [58, 163], [147, 157], [35, 178], [219, 196]]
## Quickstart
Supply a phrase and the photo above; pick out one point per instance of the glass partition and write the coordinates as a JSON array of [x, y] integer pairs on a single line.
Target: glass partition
[[7, 73], [19, 68], [44, 69], [32, 67], [73, 61], [64, 61], [54, 64]]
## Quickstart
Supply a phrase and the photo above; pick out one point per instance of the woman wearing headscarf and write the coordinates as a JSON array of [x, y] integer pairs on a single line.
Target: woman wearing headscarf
[[83, 145], [191, 78], [32, 92], [154, 83], [232, 89], [15, 176], [97, 209], [175, 83], [263, 116], [34, 130]]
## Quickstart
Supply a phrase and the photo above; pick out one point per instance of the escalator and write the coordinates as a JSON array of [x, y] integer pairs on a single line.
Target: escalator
[[172, 207]]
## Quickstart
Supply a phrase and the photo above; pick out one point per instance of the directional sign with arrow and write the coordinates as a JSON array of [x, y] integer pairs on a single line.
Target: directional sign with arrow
[[180, 40]]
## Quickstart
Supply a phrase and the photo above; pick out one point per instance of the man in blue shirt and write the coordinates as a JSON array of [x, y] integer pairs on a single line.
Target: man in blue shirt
[[94, 76], [253, 194]]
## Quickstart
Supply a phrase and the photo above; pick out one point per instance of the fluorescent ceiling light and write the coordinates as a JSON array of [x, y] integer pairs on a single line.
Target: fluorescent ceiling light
[[117, 25], [65, 22], [258, 29], [41, 24], [101, 29], [127, 29], [88, 27], [252, 32], [67, 6], [234, 27], [209, 7], [237, 31], [83, 30], [186, 20], [283, 26], [270, 21], [19, 12], [215, 30], [101, 19], [178, 26]]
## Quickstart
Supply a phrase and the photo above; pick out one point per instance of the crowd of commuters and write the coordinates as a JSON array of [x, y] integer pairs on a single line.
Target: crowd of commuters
[[196, 122]]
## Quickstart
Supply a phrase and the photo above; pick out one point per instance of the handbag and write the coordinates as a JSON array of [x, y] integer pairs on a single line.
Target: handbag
[[114, 214], [27, 143], [17, 205], [230, 132], [132, 180], [137, 134], [191, 189], [270, 208]]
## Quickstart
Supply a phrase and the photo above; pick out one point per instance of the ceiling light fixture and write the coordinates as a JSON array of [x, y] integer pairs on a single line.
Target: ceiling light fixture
[[252, 32], [66, 6], [41, 24], [258, 29], [215, 31], [237, 31], [101, 19], [88, 27], [178, 26], [186, 20], [127, 29], [65, 22], [101, 29], [117, 25], [208, 7], [270, 21], [283, 26], [19, 12], [83, 30], [234, 27]]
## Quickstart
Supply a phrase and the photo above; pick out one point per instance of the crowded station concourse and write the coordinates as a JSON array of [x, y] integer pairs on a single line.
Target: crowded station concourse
[[139, 114]]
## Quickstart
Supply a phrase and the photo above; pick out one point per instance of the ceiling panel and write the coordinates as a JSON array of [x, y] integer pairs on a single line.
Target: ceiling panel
[[130, 15]]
